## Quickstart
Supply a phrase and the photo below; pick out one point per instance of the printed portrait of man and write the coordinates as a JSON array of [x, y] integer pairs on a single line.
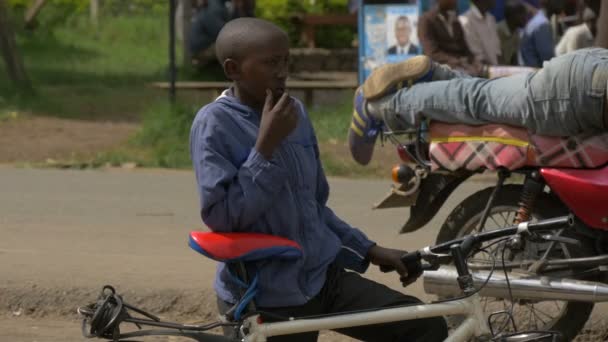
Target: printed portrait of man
[[403, 31]]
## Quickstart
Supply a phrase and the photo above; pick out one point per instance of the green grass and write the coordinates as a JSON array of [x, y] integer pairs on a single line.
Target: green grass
[[80, 72], [165, 136], [101, 74]]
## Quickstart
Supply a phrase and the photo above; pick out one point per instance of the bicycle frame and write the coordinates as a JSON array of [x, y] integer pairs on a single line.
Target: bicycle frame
[[474, 325], [103, 318]]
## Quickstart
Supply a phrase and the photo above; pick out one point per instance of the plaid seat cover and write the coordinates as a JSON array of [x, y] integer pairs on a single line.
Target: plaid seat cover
[[473, 148]]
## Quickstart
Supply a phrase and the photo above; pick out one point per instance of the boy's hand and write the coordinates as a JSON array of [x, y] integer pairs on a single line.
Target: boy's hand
[[278, 121], [390, 259]]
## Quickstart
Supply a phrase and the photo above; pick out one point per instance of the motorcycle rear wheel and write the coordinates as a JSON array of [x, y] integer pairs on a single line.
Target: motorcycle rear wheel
[[570, 317]]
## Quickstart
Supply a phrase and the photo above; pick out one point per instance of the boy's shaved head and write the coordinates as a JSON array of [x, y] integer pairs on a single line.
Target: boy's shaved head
[[242, 34]]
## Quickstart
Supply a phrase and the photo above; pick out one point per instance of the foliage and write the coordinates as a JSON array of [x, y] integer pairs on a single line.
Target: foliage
[[58, 13], [280, 12]]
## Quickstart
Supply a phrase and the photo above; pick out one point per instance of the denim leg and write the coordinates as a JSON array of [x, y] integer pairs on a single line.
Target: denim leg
[[566, 97], [472, 101]]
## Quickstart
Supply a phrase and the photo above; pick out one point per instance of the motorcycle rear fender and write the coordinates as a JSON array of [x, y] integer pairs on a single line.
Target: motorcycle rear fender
[[434, 191]]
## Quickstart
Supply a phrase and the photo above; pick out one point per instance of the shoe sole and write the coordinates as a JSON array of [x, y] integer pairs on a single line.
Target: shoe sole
[[388, 75]]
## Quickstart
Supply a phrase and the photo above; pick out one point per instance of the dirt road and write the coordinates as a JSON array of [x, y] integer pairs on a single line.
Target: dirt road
[[63, 234]]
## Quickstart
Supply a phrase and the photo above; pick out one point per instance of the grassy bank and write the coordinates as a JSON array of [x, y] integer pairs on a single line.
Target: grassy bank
[[163, 141], [101, 74]]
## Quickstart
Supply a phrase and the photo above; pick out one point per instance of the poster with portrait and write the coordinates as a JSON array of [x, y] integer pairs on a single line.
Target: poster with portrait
[[388, 35]]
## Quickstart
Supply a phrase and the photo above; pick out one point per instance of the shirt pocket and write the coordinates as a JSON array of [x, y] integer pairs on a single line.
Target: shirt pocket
[[303, 160]]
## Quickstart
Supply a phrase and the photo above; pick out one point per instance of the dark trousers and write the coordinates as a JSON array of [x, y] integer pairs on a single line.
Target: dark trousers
[[348, 291]]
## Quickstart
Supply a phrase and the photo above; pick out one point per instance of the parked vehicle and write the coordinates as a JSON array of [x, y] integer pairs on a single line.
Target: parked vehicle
[[547, 177]]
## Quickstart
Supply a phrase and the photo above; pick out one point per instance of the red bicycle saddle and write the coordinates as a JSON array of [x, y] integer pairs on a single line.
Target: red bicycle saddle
[[230, 247]]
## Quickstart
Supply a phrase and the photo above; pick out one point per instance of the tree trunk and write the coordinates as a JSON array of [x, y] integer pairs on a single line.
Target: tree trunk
[[10, 53], [32, 12], [602, 26], [186, 23], [94, 12]]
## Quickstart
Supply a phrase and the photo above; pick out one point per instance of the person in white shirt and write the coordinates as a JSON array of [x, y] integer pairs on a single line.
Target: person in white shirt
[[480, 31], [579, 36]]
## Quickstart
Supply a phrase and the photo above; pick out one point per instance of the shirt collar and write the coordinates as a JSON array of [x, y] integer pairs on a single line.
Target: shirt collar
[[450, 19], [405, 48]]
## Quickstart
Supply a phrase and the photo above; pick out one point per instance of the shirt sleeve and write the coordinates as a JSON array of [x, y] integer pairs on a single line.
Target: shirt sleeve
[[472, 38], [232, 196], [355, 244]]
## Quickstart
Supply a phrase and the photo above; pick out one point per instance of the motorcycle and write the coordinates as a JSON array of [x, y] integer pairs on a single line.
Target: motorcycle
[[545, 283]]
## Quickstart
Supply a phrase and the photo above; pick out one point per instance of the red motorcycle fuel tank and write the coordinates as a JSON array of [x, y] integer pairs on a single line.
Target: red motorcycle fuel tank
[[585, 192]]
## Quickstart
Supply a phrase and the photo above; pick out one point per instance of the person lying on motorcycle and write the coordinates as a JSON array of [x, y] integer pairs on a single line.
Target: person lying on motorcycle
[[565, 97], [257, 167]]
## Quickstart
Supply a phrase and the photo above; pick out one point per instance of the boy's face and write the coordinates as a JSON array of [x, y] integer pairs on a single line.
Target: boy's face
[[265, 67]]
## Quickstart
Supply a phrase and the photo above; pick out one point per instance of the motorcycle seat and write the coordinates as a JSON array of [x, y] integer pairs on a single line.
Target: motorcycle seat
[[457, 146], [233, 247]]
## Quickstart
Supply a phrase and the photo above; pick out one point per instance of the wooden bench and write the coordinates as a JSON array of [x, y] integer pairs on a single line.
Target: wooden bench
[[307, 86], [309, 22]]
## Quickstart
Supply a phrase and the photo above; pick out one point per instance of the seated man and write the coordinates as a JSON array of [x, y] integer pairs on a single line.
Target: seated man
[[257, 168], [209, 20], [480, 31], [442, 38], [566, 97], [509, 31], [537, 41]]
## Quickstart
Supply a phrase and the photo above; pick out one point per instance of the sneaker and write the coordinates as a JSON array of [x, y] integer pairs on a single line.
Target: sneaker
[[363, 124], [389, 78]]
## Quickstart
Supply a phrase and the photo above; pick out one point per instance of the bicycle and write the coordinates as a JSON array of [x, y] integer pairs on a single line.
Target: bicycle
[[103, 318]]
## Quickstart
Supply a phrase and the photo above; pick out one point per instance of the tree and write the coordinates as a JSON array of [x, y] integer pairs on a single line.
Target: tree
[[10, 52]]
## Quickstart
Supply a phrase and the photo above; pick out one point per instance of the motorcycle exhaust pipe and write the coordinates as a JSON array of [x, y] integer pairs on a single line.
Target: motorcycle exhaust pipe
[[443, 282]]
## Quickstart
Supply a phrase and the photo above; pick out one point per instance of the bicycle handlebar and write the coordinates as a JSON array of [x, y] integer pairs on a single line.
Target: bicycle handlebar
[[441, 253], [469, 241]]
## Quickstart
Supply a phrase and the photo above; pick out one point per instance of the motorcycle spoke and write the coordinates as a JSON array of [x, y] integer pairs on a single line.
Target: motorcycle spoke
[[527, 314], [511, 220], [536, 318], [497, 224], [504, 218], [544, 314]]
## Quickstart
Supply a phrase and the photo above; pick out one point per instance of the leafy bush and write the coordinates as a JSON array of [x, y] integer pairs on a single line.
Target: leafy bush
[[280, 12]]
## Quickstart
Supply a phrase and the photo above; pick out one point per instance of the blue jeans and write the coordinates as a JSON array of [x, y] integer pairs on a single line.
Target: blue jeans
[[567, 96]]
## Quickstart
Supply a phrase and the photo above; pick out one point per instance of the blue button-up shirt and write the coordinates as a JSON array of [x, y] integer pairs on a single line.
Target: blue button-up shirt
[[241, 191], [536, 44]]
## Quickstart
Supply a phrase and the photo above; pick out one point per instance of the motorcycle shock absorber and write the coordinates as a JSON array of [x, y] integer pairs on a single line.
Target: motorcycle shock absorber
[[533, 186]]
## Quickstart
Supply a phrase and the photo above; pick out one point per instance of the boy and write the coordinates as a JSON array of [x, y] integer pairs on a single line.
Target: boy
[[257, 167]]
